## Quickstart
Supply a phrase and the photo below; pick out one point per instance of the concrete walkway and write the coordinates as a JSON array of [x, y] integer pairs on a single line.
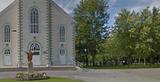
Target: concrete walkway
[[127, 75]]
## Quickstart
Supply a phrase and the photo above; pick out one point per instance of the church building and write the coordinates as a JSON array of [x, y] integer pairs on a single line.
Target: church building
[[40, 26]]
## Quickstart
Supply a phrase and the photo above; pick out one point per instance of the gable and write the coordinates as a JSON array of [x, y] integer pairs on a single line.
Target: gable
[[53, 4], [60, 10], [10, 6]]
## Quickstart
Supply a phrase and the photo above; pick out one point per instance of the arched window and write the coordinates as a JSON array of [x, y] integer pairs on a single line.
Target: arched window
[[7, 52], [34, 20], [7, 33], [35, 48], [62, 34]]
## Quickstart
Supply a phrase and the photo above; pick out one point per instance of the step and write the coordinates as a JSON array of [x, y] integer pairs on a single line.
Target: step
[[53, 68]]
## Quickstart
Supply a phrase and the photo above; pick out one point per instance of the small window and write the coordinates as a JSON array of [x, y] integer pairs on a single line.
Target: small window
[[34, 20], [7, 52], [7, 33], [62, 34]]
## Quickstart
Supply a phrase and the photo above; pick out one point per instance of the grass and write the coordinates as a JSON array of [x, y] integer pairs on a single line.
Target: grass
[[54, 79], [132, 66]]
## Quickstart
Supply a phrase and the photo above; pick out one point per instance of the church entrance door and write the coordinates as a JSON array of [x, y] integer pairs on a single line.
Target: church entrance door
[[35, 48], [62, 57], [7, 57]]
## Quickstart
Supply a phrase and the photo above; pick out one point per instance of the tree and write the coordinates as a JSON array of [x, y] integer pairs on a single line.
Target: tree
[[124, 24], [136, 35], [91, 19]]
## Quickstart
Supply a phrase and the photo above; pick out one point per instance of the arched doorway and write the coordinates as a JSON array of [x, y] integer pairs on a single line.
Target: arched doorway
[[36, 50], [7, 57], [62, 56]]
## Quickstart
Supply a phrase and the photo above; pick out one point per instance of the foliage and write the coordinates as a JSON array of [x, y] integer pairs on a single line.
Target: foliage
[[91, 17], [131, 66], [135, 35]]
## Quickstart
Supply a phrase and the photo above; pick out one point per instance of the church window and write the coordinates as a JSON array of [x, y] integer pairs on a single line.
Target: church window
[[7, 33], [7, 52], [34, 20], [62, 51], [62, 34], [35, 48]]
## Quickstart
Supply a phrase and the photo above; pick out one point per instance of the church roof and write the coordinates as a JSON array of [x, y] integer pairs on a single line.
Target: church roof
[[60, 9], [8, 7]]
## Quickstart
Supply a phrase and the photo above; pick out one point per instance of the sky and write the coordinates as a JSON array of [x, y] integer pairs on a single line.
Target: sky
[[115, 6]]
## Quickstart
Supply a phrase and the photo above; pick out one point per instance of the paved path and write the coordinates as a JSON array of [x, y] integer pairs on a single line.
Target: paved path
[[129, 75]]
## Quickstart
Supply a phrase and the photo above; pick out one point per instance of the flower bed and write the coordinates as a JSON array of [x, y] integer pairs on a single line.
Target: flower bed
[[23, 76]]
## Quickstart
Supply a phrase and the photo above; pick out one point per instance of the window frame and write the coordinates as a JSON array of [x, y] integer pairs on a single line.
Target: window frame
[[62, 34], [34, 21], [7, 33], [35, 48]]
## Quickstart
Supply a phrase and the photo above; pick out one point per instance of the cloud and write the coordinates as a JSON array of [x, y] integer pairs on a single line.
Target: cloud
[[150, 4], [112, 2], [155, 3]]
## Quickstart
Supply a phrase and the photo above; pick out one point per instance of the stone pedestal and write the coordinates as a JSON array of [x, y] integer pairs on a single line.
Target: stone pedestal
[[30, 67]]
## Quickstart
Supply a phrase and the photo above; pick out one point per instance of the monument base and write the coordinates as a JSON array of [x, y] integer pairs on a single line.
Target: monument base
[[30, 67]]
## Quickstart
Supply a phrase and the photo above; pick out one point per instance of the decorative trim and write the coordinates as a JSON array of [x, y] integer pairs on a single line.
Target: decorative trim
[[73, 45], [49, 25], [20, 58]]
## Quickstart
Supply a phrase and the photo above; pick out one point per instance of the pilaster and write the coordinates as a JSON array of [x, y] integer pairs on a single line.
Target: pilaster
[[49, 25], [20, 58]]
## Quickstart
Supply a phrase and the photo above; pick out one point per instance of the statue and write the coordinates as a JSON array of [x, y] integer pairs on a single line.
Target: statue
[[30, 64], [29, 56]]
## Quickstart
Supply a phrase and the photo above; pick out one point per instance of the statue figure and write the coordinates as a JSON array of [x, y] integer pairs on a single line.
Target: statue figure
[[29, 56]]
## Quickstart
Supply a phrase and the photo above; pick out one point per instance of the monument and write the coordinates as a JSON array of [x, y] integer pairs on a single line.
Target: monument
[[31, 74]]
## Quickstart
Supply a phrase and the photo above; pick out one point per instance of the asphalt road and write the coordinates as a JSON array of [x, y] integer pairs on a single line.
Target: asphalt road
[[126, 75]]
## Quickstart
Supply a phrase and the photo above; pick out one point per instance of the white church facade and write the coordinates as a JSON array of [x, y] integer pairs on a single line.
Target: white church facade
[[40, 26]]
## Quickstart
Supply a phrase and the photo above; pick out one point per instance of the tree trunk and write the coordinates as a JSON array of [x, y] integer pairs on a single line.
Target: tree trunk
[[94, 54], [86, 59], [139, 60], [144, 61], [118, 62], [94, 59]]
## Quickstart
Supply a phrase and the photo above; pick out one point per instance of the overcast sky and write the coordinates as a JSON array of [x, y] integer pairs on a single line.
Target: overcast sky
[[115, 6]]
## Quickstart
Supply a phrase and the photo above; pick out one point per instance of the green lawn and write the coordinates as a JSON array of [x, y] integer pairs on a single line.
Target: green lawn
[[132, 66], [55, 79]]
